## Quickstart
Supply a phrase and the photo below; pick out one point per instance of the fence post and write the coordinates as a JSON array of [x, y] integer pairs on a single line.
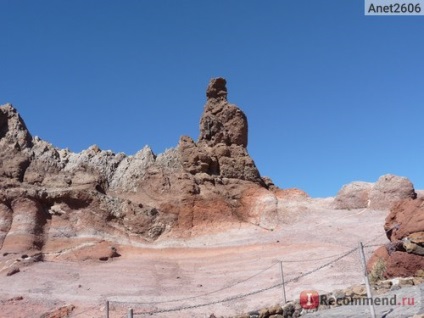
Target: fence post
[[107, 308], [130, 313], [367, 283], [282, 282]]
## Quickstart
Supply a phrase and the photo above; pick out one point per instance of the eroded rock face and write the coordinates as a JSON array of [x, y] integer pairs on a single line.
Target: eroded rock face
[[405, 218], [53, 199], [5, 222], [26, 232], [221, 148], [221, 121], [13, 131], [14, 143], [404, 226]]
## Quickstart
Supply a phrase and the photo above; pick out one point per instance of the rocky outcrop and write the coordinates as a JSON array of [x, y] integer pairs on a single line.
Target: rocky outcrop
[[222, 122], [14, 143], [222, 161], [221, 147], [354, 195], [5, 222], [26, 230], [404, 226], [49, 195], [390, 189], [13, 131], [381, 195], [414, 243], [405, 218]]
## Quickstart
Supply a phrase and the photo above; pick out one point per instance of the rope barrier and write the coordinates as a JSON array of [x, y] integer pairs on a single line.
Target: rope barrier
[[200, 295], [232, 298]]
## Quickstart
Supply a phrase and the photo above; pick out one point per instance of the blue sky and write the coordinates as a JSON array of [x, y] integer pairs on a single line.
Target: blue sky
[[332, 96]]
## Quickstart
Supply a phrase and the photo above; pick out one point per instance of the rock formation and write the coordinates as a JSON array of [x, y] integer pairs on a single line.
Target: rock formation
[[222, 122], [221, 147], [404, 226], [354, 195], [381, 195], [53, 199], [390, 189]]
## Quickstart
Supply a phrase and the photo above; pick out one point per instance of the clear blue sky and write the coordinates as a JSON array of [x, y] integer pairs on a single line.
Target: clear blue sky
[[332, 96]]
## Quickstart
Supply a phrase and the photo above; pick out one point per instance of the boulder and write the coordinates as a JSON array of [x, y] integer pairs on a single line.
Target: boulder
[[402, 264], [390, 189], [354, 195], [406, 217], [404, 227]]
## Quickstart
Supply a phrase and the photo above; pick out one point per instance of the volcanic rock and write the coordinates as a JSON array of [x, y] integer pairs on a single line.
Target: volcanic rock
[[53, 200], [13, 131], [412, 246], [390, 189], [221, 147], [404, 227], [13, 271], [381, 195], [354, 195], [406, 217], [222, 122], [398, 264], [5, 222], [26, 231]]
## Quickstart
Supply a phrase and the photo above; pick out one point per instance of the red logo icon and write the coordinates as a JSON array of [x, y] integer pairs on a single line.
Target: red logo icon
[[309, 299]]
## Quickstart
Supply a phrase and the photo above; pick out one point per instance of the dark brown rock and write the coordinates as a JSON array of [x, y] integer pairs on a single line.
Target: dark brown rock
[[13, 271], [404, 227], [217, 89], [197, 159], [221, 148], [222, 122], [402, 264], [406, 217]]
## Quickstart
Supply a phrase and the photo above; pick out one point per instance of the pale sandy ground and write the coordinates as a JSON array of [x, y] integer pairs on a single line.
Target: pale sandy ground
[[208, 269]]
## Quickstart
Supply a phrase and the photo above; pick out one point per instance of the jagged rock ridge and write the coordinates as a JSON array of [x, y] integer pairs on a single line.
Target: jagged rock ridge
[[49, 195]]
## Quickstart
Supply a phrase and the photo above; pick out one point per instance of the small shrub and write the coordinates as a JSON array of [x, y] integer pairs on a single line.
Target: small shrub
[[377, 272]]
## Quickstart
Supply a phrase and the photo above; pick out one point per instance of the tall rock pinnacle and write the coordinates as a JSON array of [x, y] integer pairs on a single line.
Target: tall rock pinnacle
[[221, 147], [222, 122]]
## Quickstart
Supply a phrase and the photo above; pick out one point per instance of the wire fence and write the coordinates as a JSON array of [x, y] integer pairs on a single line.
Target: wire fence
[[290, 279]]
